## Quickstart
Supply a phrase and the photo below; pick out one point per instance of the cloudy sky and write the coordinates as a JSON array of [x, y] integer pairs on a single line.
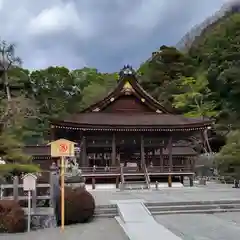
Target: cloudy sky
[[105, 34]]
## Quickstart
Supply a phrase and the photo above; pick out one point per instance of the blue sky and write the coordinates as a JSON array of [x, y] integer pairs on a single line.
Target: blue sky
[[105, 34]]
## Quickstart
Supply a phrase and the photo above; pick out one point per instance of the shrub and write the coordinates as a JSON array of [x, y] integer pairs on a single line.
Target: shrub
[[7, 171], [15, 169], [12, 219], [79, 206]]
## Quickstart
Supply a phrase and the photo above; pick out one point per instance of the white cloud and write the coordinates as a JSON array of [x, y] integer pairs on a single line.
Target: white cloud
[[59, 18], [146, 15], [100, 33]]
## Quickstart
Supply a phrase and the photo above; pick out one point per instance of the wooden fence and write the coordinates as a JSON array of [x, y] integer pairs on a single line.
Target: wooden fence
[[43, 196]]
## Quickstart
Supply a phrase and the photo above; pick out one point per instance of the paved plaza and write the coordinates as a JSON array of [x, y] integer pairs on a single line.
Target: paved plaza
[[204, 193], [219, 226]]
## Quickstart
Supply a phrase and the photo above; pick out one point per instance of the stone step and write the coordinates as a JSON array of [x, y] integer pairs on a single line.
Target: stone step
[[112, 211], [106, 215], [174, 203], [193, 207], [106, 206], [108, 211], [209, 211], [134, 177], [135, 182]]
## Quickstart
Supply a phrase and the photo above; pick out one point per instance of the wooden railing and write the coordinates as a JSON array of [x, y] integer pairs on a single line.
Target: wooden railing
[[100, 170], [165, 169], [132, 170], [146, 176], [129, 170], [122, 175]]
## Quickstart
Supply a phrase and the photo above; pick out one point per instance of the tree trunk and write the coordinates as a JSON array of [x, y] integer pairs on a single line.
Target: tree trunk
[[207, 141], [6, 83]]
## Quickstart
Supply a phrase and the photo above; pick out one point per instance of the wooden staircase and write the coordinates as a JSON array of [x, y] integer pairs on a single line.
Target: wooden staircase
[[133, 180]]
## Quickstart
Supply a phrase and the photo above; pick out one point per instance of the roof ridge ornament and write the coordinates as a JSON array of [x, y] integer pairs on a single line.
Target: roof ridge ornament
[[127, 70]]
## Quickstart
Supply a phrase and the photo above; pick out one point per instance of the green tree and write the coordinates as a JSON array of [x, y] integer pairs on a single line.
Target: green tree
[[97, 90], [228, 159], [56, 93], [160, 75], [194, 99], [217, 51], [14, 107]]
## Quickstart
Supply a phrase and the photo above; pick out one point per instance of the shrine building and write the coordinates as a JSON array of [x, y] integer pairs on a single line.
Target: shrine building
[[129, 132]]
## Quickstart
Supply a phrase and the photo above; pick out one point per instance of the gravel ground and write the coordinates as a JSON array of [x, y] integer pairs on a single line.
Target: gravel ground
[[210, 192], [223, 226], [100, 229]]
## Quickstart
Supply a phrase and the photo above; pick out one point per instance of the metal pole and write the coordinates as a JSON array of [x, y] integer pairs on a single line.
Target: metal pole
[[62, 193], [29, 211]]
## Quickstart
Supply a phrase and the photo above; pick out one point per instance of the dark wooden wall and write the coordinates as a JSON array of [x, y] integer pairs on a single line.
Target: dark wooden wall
[[127, 104]]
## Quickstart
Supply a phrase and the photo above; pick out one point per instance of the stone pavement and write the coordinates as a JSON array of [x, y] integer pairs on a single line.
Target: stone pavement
[[210, 192], [220, 226], [100, 229]]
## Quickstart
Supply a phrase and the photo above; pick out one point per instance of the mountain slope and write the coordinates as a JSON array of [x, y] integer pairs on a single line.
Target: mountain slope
[[194, 36]]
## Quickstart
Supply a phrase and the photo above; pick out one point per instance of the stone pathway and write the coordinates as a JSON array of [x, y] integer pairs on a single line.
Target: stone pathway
[[138, 223]]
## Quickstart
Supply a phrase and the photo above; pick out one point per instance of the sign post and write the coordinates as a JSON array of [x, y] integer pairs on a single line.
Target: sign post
[[62, 148], [29, 184], [29, 211]]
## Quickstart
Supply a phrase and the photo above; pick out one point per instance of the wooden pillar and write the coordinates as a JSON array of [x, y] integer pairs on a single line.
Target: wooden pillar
[[153, 157], [193, 164], [142, 151], [117, 182], [189, 169], [103, 161], [114, 150], [161, 158], [147, 159], [15, 188], [191, 180], [93, 183], [84, 160], [170, 161]]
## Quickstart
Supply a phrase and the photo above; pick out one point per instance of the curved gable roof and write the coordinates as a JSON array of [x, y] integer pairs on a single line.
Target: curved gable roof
[[128, 85]]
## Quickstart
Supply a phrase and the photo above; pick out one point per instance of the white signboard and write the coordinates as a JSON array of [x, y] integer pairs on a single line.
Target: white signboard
[[29, 182]]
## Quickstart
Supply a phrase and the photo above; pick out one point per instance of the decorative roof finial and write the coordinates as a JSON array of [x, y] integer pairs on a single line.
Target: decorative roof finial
[[127, 70]]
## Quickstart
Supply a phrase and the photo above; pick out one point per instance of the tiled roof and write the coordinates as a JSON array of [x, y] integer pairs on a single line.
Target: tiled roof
[[94, 117], [138, 91], [133, 120]]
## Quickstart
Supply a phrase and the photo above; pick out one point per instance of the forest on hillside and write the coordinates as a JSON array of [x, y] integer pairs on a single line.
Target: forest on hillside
[[203, 81]]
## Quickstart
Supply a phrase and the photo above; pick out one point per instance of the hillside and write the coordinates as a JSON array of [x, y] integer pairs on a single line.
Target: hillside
[[194, 36]]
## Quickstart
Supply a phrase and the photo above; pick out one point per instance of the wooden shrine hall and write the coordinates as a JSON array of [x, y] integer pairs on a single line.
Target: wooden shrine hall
[[129, 132]]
